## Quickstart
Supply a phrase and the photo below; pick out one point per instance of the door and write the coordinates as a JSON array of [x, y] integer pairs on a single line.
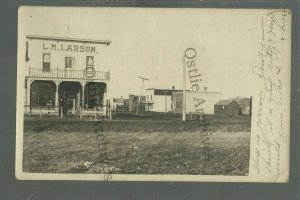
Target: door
[[70, 106], [69, 62], [63, 105]]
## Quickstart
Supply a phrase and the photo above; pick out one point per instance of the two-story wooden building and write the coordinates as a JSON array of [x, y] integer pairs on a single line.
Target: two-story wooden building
[[62, 75]]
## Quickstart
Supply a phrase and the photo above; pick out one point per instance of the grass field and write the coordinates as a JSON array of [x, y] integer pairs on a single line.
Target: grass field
[[137, 147]]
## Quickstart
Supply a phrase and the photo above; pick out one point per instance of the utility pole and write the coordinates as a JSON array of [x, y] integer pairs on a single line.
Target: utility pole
[[184, 90], [143, 79], [166, 110]]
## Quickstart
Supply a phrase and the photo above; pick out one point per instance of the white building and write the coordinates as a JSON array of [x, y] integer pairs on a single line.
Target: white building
[[160, 100], [117, 103], [196, 102], [61, 75]]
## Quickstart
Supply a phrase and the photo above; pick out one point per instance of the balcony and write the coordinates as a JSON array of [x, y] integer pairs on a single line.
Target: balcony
[[89, 74]]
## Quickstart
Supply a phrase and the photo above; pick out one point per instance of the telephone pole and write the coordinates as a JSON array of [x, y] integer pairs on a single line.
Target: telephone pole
[[143, 79], [184, 90]]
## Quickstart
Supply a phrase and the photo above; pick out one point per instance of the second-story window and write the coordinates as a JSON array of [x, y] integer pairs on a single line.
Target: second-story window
[[69, 62], [46, 62], [90, 62]]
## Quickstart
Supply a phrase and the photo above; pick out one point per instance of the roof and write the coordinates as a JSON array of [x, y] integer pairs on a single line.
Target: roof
[[37, 37], [239, 99], [224, 102], [163, 92], [137, 95]]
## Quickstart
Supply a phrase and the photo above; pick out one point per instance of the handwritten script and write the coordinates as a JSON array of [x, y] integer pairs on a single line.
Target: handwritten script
[[269, 116]]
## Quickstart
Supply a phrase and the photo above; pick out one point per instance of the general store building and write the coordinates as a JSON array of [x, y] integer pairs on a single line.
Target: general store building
[[63, 75]]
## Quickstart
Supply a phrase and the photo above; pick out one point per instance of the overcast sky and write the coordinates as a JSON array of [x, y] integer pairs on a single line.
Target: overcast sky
[[151, 43]]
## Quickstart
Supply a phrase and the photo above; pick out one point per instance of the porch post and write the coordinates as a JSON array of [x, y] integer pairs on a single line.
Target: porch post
[[28, 103], [82, 85], [56, 96], [87, 97], [105, 102]]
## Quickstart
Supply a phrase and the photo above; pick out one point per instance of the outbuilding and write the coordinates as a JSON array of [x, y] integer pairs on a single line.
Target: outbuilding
[[245, 105], [227, 107]]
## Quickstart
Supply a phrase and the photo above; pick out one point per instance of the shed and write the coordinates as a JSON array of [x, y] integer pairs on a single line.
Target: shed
[[244, 103], [227, 107]]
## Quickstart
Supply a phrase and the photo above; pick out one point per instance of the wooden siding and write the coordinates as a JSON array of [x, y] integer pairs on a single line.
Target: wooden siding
[[245, 106], [232, 109]]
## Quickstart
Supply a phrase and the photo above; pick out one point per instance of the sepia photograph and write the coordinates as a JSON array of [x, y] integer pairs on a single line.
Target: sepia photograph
[[153, 94]]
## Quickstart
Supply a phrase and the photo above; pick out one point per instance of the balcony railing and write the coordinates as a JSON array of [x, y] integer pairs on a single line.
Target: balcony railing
[[71, 74]]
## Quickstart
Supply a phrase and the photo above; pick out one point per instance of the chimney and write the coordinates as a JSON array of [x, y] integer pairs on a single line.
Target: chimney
[[205, 89], [173, 87]]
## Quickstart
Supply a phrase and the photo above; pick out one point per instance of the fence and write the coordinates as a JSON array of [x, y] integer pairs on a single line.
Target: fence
[[55, 110], [42, 110], [73, 74]]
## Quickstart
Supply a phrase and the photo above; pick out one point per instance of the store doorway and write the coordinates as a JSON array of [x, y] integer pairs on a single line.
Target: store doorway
[[69, 97]]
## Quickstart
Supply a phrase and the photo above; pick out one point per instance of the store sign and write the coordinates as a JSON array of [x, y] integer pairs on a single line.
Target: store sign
[[70, 48], [89, 72]]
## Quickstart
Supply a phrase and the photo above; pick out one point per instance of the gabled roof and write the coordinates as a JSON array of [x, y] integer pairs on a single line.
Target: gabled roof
[[224, 102], [239, 99]]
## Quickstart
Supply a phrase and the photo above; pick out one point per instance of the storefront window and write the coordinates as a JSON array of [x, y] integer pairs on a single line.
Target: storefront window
[[42, 93]]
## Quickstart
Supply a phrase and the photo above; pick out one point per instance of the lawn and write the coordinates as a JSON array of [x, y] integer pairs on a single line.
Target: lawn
[[136, 147]]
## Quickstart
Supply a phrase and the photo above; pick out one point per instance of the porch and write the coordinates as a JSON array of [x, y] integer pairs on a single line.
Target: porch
[[65, 97]]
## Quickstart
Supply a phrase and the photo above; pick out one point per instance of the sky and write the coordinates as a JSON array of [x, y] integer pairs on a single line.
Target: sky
[[150, 42]]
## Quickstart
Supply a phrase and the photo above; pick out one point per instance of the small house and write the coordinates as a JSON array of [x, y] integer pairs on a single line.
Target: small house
[[244, 104], [227, 107]]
